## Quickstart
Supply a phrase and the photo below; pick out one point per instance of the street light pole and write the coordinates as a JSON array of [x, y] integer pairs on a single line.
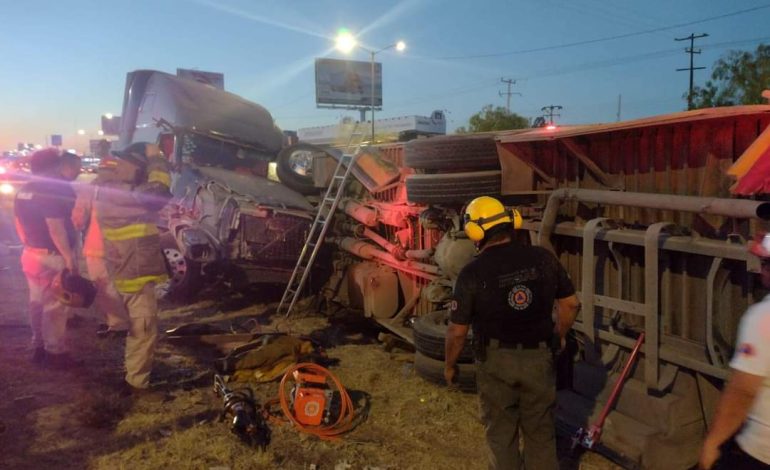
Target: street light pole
[[372, 95], [346, 42]]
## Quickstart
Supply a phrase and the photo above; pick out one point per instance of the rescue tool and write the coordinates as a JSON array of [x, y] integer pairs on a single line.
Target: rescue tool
[[317, 402], [247, 418], [588, 438]]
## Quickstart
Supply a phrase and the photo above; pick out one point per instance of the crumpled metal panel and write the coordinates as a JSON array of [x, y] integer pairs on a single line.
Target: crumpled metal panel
[[262, 190]]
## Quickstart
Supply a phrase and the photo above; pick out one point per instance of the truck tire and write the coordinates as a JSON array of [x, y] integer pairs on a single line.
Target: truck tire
[[452, 187], [429, 332], [452, 153], [432, 370], [294, 167], [185, 275]]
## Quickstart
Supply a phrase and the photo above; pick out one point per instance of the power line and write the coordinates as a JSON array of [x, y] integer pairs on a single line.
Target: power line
[[543, 73], [634, 58], [608, 38], [508, 93], [691, 50]]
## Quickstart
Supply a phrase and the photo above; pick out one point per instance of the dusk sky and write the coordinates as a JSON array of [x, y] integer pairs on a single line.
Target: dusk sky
[[65, 61]]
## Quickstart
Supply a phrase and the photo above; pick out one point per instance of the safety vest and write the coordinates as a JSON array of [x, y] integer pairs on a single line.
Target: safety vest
[[127, 216]]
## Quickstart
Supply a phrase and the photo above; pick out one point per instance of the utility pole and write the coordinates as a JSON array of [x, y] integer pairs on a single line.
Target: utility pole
[[619, 98], [548, 111], [691, 50], [508, 93]]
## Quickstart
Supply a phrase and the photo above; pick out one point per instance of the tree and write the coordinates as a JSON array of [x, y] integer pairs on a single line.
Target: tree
[[739, 77], [494, 119]]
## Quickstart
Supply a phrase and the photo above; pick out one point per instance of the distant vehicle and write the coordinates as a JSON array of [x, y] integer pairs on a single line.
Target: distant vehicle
[[13, 174]]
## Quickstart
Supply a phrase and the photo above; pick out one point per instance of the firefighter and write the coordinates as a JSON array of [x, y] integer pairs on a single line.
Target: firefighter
[[70, 166], [42, 210], [132, 189], [739, 436], [108, 302], [507, 293]]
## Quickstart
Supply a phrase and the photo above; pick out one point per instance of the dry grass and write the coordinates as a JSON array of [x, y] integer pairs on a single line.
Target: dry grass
[[76, 419]]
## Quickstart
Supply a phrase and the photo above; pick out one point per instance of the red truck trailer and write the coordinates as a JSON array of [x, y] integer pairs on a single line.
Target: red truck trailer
[[652, 219]]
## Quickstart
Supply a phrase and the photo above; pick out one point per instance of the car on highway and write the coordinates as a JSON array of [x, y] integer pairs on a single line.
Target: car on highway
[[13, 174]]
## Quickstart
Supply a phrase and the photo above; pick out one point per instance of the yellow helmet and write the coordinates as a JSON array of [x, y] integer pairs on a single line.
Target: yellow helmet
[[485, 212]]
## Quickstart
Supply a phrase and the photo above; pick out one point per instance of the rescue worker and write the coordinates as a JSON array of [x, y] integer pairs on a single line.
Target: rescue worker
[[744, 406], [132, 190], [108, 302], [507, 293], [42, 210], [70, 166]]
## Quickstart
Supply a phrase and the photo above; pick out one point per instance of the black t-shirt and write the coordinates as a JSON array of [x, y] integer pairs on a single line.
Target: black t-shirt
[[40, 200], [508, 293]]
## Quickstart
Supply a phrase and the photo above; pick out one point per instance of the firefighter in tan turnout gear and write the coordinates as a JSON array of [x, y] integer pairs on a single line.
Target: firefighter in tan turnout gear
[[132, 190], [108, 301]]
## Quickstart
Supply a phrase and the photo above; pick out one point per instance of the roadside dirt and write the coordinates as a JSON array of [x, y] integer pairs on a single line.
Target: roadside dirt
[[76, 419]]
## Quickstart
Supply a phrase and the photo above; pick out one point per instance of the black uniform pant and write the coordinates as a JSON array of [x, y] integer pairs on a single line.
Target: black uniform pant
[[517, 391], [735, 458]]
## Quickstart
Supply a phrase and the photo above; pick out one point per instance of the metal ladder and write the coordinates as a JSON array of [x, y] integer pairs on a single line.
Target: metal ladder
[[317, 232]]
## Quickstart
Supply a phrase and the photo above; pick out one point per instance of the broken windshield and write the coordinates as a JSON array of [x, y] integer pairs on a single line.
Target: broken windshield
[[202, 151]]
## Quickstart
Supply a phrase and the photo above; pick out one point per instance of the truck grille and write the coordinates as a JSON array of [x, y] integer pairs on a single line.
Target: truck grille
[[274, 241]]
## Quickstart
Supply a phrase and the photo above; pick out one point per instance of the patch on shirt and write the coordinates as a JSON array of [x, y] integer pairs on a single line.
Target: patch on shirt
[[746, 349], [452, 305], [520, 297]]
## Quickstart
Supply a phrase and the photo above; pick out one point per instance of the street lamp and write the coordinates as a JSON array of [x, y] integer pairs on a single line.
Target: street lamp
[[345, 42]]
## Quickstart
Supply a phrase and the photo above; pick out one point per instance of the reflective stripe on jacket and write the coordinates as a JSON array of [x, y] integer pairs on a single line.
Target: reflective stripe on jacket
[[127, 217], [85, 213]]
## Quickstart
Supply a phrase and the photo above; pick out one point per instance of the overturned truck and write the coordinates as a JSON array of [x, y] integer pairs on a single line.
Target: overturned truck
[[650, 217]]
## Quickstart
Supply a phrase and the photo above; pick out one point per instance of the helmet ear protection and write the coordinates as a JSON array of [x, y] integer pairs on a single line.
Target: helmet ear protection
[[475, 230]]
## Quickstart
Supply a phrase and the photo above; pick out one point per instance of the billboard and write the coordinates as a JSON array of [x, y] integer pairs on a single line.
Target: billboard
[[111, 125], [99, 147], [347, 83], [215, 79]]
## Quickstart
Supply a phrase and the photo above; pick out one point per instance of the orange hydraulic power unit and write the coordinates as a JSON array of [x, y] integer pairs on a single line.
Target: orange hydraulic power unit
[[312, 398]]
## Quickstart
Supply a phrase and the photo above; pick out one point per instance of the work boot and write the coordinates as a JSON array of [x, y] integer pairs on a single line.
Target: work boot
[[61, 361], [142, 394], [105, 332]]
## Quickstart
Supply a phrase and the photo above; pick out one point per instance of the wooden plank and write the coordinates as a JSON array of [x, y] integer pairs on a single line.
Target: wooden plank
[[746, 132], [646, 176], [662, 165], [517, 174], [680, 147], [575, 150]]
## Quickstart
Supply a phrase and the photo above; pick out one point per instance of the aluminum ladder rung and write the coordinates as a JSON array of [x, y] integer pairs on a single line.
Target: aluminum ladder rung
[[320, 224]]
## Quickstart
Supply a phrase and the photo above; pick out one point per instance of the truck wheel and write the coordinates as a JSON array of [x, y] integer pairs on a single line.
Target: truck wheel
[[452, 153], [185, 276], [294, 167], [452, 187], [429, 332], [432, 370]]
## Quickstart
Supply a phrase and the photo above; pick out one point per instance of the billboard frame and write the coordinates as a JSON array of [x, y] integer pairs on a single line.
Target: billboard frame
[[346, 84]]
